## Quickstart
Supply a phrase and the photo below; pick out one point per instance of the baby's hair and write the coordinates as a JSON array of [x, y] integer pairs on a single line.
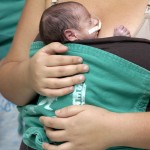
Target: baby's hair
[[56, 19]]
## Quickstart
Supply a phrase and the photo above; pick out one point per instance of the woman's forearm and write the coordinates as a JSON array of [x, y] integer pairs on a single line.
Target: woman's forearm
[[15, 85], [132, 129], [13, 69]]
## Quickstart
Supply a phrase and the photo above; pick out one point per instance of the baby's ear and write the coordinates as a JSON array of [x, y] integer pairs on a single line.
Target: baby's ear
[[70, 34]]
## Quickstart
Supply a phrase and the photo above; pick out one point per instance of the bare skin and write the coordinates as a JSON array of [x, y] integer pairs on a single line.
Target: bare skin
[[92, 128], [121, 31], [133, 128], [78, 122], [123, 14], [21, 77], [17, 63]]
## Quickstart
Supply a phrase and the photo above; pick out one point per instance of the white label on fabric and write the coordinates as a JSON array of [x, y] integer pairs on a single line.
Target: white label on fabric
[[79, 94], [48, 102]]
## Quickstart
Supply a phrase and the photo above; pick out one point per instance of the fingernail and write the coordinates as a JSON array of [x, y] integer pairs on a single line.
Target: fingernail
[[40, 119], [58, 111], [86, 68], [71, 88], [44, 145], [81, 77], [80, 60]]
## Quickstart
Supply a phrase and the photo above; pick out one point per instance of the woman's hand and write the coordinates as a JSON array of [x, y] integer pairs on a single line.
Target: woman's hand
[[92, 128], [81, 128], [54, 75]]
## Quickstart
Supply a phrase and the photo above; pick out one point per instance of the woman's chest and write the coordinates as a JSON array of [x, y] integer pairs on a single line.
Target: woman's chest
[[113, 13]]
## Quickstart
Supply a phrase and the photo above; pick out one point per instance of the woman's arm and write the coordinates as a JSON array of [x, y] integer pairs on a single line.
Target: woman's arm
[[92, 128], [21, 77], [13, 76]]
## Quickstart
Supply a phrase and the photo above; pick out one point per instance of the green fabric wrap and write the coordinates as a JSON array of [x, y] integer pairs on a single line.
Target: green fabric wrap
[[112, 83]]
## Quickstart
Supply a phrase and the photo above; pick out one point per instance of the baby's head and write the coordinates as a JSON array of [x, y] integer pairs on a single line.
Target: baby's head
[[68, 21]]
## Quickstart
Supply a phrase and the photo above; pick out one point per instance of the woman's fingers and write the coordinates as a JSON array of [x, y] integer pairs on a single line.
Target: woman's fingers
[[62, 60], [64, 146], [56, 60], [70, 111], [51, 59], [50, 122], [56, 83], [58, 136], [54, 48], [54, 87], [56, 92], [62, 71]]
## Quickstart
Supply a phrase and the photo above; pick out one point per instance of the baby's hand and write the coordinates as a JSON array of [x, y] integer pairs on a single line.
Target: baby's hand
[[121, 31]]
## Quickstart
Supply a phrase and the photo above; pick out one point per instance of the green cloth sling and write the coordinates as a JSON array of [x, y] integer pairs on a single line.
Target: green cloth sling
[[112, 83]]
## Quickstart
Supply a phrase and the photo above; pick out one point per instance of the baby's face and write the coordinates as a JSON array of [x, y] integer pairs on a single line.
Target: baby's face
[[87, 24]]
